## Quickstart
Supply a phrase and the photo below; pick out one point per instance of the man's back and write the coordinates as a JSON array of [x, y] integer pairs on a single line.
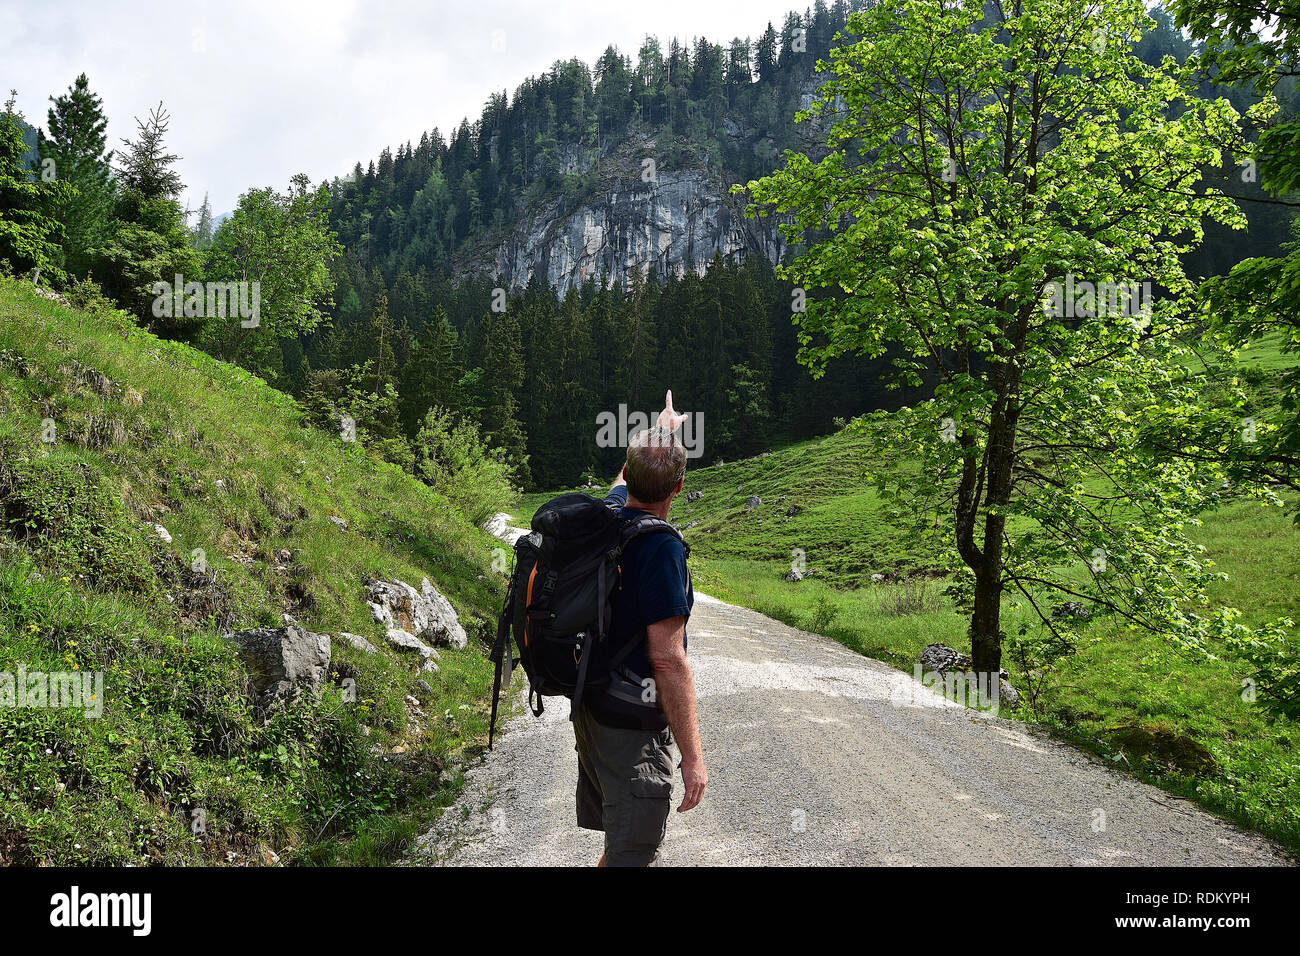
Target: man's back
[[654, 585]]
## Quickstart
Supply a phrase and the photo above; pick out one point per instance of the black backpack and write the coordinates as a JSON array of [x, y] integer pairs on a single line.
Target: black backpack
[[557, 605]]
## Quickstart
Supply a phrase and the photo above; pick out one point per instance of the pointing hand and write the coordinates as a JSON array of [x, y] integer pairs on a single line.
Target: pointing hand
[[668, 418]]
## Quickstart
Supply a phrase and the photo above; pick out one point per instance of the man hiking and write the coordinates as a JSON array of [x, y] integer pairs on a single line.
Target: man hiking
[[625, 735]]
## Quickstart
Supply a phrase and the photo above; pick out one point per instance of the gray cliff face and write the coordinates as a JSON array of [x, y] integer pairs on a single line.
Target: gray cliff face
[[676, 223]]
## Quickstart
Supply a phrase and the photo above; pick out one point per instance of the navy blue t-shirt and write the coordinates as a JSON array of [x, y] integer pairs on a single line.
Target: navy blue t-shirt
[[653, 586]]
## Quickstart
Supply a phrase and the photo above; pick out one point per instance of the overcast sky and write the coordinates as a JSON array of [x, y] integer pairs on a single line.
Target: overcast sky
[[259, 91]]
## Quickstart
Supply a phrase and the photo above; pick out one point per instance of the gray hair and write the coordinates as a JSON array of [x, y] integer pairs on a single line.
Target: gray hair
[[656, 462]]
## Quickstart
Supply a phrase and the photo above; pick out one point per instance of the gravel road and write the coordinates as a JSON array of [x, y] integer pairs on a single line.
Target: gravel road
[[818, 755]]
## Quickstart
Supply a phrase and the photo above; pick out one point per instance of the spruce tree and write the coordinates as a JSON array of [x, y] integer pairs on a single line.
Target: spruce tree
[[150, 242], [73, 150], [203, 227], [503, 378]]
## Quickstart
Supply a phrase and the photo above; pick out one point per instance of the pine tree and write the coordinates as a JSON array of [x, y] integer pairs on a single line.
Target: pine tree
[[432, 376], [150, 242], [503, 377], [765, 54], [147, 168], [203, 227], [74, 151]]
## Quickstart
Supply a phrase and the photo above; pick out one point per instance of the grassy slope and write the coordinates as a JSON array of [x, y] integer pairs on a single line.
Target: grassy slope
[[1177, 721], [144, 430]]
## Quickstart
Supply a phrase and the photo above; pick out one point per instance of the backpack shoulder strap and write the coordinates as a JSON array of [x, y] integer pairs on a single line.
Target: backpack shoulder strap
[[647, 524]]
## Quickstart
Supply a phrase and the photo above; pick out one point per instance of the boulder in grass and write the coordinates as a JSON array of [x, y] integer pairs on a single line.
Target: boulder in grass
[[941, 658], [444, 622], [359, 642], [753, 501], [283, 662], [406, 641], [395, 604], [1070, 609], [425, 613], [1008, 696]]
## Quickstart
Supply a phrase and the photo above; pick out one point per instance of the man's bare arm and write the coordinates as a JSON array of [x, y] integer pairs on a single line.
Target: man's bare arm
[[675, 686]]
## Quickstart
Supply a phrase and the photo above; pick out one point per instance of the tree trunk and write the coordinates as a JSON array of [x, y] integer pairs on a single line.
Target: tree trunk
[[985, 625], [986, 620]]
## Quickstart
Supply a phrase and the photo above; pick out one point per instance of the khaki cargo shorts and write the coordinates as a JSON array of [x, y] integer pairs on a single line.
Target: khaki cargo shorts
[[625, 787]]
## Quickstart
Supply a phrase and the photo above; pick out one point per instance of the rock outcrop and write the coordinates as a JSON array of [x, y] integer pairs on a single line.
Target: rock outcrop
[[639, 217], [425, 614]]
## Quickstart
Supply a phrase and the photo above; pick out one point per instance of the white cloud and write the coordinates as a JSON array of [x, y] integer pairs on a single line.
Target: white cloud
[[259, 91]]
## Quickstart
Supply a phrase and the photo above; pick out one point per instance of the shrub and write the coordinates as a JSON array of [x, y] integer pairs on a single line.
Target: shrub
[[823, 616], [1273, 653], [452, 458], [62, 510], [913, 595], [85, 294]]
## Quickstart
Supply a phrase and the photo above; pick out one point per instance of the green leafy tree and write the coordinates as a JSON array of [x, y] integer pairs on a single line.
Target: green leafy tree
[[29, 236], [283, 243], [978, 168], [1257, 44], [348, 403], [452, 457]]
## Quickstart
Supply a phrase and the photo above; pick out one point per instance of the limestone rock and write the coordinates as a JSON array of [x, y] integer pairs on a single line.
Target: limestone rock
[[283, 662], [446, 624], [359, 642], [406, 641], [675, 221]]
